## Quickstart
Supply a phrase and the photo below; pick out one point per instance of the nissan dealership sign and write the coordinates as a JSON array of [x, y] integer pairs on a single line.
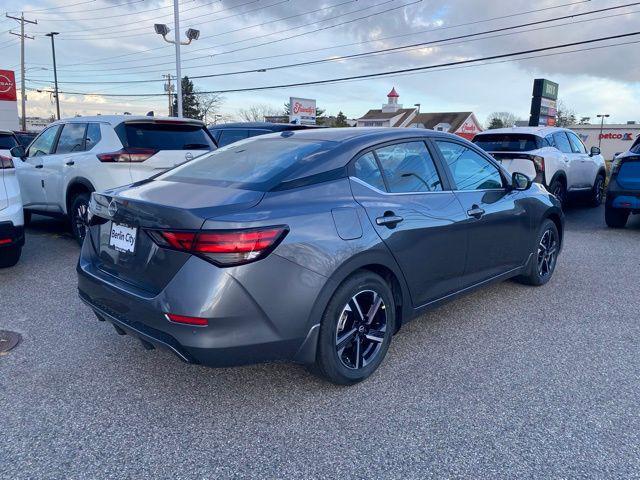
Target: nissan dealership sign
[[302, 111], [8, 104]]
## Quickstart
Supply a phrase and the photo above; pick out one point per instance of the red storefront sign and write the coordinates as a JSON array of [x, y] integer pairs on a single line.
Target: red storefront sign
[[7, 86]]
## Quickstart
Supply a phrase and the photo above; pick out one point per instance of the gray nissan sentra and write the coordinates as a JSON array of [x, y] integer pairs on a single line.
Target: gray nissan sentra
[[311, 246]]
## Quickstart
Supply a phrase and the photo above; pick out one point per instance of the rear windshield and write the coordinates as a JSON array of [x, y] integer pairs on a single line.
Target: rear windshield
[[508, 142], [253, 164], [164, 136], [7, 141]]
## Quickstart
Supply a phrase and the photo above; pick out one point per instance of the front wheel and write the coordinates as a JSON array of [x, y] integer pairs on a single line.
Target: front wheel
[[616, 217], [9, 256], [597, 193], [356, 329], [545, 256], [78, 216]]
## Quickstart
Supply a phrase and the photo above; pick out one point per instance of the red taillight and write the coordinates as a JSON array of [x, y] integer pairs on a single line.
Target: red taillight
[[5, 241], [197, 321], [223, 247], [5, 162], [127, 155]]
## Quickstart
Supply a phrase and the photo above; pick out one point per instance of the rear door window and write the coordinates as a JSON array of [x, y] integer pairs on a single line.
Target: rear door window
[[45, 143], [164, 136], [72, 138], [561, 142], [7, 141], [232, 135]]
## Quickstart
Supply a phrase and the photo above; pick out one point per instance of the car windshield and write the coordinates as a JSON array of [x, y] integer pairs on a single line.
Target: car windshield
[[507, 142], [164, 136], [636, 146], [257, 163], [7, 141]]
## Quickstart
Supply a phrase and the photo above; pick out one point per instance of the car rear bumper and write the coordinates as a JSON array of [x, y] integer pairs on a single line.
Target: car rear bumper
[[624, 200], [11, 235], [242, 327]]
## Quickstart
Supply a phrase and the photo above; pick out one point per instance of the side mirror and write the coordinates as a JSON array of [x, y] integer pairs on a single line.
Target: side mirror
[[520, 181], [594, 151], [18, 152]]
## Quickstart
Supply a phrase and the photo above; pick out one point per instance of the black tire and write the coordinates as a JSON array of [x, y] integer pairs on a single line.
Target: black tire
[[365, 340], [27, 217], [78, 216], [545, 256], [597, 193], [616, 217], [558, 189], [9, 256]]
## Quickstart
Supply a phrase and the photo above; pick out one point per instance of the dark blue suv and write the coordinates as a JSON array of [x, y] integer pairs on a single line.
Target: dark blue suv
[[623, 194]]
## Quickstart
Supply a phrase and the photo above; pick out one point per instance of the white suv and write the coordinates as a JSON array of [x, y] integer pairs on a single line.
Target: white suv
[[554, 157], [72, 158], [11, 220]]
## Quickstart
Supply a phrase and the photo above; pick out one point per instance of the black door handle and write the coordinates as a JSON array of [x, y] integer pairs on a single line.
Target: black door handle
[[475, 212], [38, 166], [389, 219], [70, 162]]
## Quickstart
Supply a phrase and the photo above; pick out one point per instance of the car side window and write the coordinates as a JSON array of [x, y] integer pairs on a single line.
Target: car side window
[[93, 136], [561, 142], [72, 138], [576, 144], [366, 169], [549, 141], [43, 145], [470, 170], [232, 135], [408, 167]]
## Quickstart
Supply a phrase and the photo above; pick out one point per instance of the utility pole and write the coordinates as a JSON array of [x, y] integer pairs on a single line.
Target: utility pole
[[168, 87], [22, 36], [55, 71]]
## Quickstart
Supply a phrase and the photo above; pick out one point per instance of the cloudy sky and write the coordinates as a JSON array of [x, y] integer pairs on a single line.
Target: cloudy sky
[[104, 41]]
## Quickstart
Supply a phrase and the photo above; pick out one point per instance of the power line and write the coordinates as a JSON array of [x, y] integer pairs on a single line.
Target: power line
[[408, 47], [59, 6], [399, 71], [448, 27]]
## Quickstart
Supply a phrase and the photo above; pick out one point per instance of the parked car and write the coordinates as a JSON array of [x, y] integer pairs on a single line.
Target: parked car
[[623, 192], [25, 138], [74, 157], [11, 219], [227, 133], [312, 246], [8, 140], [554, 157]]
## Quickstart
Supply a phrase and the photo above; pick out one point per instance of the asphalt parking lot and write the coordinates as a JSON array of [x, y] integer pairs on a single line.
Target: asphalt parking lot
[[511, 381]]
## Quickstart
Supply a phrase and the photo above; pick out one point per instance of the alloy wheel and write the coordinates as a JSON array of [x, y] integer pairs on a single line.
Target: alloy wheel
[[558, 192], [80, 221], [599, 190], [547, 253], [361, 329]]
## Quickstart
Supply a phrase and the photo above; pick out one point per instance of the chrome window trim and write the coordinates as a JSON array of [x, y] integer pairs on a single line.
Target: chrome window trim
[[365, 184]]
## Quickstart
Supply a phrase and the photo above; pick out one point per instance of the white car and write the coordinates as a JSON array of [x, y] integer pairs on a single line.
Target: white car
[[552, 156], [11, 219], [73, 157]]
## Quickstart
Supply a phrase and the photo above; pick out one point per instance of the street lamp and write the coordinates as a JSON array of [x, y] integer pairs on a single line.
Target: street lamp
[[192, 34], [601, 117]]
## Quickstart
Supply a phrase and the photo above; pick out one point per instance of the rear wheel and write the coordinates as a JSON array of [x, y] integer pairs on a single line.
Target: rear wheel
[[78, 216], [356, 329], [559, 191], [27, 217], [545, 256], [616, 217], [9, 256], [598, 191]]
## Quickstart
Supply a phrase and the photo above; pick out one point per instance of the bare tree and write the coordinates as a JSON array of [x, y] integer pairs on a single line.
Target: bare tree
[[501, 119], [566, 115], [209, 104], [257, 112]]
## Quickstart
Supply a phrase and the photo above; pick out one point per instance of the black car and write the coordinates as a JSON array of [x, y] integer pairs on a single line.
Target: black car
[[232, 132], [25, 138], [623, 193]]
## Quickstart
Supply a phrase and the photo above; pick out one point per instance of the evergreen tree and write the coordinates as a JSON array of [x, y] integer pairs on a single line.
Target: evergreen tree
[[341, 120], [495, 123], [190, 104]]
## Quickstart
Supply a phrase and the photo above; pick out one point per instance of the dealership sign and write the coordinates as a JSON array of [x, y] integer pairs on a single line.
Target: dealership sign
[[302, 111], [544, 106], [8, 104]]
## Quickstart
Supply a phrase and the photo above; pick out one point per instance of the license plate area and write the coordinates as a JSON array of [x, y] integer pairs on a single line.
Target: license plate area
[[122, 238]]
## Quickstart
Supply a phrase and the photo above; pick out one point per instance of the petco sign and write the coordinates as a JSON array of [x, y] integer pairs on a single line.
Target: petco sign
[[626, 137], [302, 111], [8, 104]]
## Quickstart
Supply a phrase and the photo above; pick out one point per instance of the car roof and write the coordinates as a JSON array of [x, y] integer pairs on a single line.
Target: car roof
[[6, 132], [373, 134], [538, 131], [276, 127], [114, 120]]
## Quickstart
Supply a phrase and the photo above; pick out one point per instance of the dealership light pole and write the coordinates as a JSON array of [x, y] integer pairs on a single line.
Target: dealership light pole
[[601, 117], [162, 29], [55, 71]]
